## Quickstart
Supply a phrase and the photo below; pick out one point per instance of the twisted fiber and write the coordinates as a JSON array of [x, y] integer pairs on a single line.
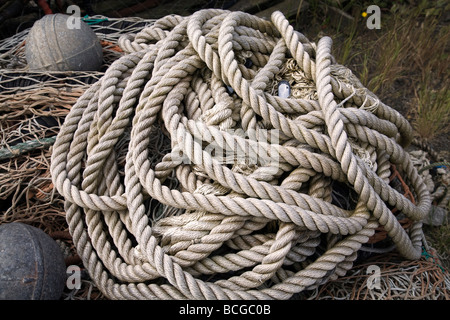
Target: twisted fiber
[[255, 230], [350, 164]]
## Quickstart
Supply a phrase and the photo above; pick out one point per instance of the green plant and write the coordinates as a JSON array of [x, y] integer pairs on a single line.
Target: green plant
[[365, 68], [429, 44], [432, 113], [390, 59], [439, 239], [406, 62]]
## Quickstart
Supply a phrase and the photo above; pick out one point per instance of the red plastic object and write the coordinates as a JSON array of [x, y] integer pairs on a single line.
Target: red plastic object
[[45, 7]]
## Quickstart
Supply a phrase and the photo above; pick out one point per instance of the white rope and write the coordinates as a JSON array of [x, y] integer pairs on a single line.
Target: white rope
[[252, 229]]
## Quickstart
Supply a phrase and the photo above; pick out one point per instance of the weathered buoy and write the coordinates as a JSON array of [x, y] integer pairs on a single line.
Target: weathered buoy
[[54, 43], [31, 264]]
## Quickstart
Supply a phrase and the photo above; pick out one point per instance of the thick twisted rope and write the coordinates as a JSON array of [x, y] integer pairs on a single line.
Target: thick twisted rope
[[258, 227]]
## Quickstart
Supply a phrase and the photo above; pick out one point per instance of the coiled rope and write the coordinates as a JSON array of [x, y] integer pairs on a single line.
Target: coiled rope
[[247, 230]]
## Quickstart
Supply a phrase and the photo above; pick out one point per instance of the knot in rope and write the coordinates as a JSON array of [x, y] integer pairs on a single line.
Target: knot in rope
[[186, 176]]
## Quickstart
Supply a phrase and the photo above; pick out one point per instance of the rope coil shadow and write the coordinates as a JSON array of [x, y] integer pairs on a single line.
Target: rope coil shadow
[[260, 224]]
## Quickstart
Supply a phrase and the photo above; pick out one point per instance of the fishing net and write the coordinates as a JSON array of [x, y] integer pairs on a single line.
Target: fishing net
[[33, 106], [388, 277]]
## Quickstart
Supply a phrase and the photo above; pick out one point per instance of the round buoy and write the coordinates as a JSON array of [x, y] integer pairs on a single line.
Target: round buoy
[[31, 264], [54, 43]]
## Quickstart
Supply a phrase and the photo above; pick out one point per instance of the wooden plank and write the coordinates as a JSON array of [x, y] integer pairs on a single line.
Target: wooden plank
[[288, 7]]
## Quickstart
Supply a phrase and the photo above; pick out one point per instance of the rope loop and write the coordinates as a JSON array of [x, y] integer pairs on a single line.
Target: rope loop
[[186, 176]]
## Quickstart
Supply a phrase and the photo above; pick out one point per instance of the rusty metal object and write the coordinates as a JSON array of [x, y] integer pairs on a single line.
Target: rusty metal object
[[31, 264]]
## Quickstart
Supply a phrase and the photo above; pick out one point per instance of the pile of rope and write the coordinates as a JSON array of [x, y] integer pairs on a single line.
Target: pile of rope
[[246, 192]]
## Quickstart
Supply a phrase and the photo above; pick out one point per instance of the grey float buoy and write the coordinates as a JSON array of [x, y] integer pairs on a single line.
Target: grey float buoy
[[56, 44], [31, 264]]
